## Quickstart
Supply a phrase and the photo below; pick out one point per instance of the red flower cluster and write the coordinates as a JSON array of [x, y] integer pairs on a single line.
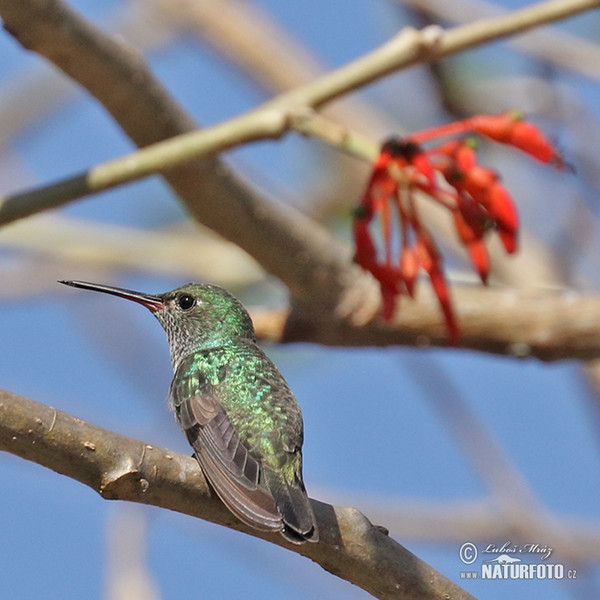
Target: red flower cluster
[[450, 175]]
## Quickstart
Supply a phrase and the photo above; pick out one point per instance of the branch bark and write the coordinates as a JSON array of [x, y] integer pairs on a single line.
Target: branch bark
[[540, 323], [555, 47], [121, 468]]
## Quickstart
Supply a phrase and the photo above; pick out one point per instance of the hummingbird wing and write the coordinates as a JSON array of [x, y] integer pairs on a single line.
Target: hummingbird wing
[[265, 494], [230, 468]]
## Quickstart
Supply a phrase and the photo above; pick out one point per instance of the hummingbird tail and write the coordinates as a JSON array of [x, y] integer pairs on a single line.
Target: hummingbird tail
[[293, 503]]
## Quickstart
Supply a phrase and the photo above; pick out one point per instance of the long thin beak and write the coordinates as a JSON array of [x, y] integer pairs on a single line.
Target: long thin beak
[[152, 303]]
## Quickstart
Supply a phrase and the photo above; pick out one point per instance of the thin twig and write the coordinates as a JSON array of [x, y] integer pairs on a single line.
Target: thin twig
[[269, 54], [252, 40], [555, 47]]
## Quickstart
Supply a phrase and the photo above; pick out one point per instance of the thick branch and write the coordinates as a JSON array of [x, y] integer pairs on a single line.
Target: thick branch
[[543, 324], [120, 468]]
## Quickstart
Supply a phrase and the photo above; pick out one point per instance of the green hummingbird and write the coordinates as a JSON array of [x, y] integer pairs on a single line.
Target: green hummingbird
[[236, 409]]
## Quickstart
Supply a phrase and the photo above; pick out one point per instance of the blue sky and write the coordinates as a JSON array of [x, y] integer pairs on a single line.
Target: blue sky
[[372, 433]]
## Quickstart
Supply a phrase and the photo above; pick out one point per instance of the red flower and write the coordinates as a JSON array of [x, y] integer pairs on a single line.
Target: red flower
[[472, 223], [474, 194], [510, 128]]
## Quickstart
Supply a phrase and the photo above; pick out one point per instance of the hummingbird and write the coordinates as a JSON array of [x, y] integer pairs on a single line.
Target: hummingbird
[[235, 408]]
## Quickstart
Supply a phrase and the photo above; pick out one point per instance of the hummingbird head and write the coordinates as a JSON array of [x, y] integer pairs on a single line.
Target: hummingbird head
[[194, 316], [200, 316]]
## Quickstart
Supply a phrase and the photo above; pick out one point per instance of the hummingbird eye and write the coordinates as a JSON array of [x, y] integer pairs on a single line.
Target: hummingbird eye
[[186, 301]]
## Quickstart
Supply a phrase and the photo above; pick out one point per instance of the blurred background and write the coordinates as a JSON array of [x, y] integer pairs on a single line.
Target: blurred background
[[442, 447]]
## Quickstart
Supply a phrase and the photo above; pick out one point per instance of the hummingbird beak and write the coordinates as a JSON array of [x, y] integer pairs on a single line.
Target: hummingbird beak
[[152, 303]]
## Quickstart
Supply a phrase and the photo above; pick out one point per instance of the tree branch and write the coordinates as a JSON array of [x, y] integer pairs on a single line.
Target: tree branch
[[555, 47], [121, 468], [114, 63], [540, 323]]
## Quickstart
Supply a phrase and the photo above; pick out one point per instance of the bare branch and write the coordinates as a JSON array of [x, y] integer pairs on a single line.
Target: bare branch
[[120, 468], [555, 47], [545, 324], [408, 48]]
